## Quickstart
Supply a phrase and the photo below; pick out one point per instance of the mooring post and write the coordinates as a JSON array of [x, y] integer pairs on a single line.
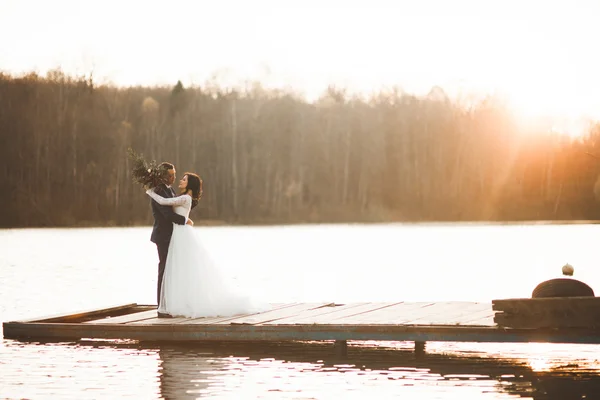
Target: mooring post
[[419, 348], [341, 348]]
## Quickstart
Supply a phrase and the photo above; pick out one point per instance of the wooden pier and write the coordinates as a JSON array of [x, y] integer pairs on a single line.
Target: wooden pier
[[419, 322]]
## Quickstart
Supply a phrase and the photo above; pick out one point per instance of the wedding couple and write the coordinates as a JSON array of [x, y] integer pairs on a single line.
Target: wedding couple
[[189, 283]]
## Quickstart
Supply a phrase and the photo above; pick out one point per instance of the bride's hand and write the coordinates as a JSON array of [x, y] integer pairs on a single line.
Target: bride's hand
[[190, 222]]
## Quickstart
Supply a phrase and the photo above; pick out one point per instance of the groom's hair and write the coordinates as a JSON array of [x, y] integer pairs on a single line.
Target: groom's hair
[[166, 165]]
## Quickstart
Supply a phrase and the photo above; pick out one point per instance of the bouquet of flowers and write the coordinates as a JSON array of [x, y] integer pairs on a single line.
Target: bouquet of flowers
[[148, 174]]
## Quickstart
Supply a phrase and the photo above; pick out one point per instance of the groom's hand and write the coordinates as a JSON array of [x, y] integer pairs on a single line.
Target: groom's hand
[[190, 222]]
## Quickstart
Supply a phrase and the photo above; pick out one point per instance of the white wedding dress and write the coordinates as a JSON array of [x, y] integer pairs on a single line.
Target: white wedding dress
[[192, 285]]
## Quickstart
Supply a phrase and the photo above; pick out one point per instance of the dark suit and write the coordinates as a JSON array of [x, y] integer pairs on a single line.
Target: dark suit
[[164, 217]]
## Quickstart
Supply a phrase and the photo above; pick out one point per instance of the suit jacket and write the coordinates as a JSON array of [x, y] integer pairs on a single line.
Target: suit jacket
[[164, 217]]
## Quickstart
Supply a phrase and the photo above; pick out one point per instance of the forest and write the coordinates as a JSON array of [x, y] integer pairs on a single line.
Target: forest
[[272, 157]]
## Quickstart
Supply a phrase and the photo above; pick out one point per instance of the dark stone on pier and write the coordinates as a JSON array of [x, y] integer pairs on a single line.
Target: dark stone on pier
[[562, 287]]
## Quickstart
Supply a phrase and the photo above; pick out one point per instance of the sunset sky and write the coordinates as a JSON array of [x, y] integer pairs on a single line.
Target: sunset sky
[[540, 55]]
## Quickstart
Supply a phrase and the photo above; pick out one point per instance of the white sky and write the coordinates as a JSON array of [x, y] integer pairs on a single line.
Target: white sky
[[541, 54]]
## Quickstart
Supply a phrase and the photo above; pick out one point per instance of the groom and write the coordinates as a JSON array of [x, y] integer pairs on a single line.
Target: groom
[[164, 217]]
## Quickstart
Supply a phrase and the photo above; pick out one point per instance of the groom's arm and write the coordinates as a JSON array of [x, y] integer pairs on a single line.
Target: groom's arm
[[167, 211]]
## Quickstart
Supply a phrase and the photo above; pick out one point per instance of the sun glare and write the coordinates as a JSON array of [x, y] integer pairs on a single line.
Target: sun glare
[[558, 113], [539, 364]]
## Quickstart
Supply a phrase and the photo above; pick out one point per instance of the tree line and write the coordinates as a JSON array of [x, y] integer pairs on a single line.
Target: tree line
[[271, 157]]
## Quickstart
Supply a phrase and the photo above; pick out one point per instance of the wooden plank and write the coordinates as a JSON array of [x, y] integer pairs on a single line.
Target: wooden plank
[[159, 321], [274, 314], [564, 312], [247, 332], [546, 321], [385, 315], [215, 320], [127, 318], [453, 315], [414, 312], [446, 313], [478, 318], [573, 303], [339, 319], [78, 315], [206, 320], [335, 315], [306, 317], [417, 321], [484, 320]]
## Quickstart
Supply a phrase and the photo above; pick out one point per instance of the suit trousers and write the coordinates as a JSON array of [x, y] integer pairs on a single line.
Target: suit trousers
[[163, 250]]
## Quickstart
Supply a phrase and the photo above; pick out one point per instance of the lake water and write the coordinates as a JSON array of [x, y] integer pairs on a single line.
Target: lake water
[[49, 271]]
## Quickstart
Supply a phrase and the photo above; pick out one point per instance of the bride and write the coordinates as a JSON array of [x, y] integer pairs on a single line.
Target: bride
[[192, 285]]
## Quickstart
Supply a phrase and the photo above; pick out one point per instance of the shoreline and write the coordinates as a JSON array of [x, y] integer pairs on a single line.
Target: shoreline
[[217, 223]]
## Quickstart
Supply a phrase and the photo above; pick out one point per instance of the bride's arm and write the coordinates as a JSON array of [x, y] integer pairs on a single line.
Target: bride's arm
[[163, 201], [168, 211]]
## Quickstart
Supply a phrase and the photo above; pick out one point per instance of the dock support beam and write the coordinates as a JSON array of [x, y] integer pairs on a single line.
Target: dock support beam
[[419, 349], [341, 348]]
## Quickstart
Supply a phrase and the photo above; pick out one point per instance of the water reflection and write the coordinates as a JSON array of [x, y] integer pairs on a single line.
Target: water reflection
[[187, 372], [557, 386], [108, 369], [71, 370], [291, 369]]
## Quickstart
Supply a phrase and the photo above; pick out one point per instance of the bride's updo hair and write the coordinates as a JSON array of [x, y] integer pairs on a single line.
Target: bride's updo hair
[[195, 185]]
